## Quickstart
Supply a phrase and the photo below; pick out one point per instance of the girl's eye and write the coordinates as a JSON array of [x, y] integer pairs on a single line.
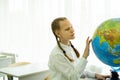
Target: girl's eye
[[68, 28]]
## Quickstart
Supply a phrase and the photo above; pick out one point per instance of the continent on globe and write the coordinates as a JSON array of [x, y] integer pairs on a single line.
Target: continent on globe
[[106, 42]]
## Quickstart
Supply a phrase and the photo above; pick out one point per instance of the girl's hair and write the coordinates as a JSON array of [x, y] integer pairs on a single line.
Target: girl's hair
[[56, 26]]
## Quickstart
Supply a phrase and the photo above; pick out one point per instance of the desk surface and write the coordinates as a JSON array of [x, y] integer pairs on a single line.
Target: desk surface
[[24, 70]]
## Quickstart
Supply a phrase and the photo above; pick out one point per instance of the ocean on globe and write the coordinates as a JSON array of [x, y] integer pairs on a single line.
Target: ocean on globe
[[106, 43]]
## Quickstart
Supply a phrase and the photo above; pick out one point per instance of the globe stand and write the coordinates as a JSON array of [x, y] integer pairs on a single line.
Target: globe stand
[[114, 75]]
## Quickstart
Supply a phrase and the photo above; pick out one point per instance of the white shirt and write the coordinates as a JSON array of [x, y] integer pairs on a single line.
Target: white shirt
[[62, 69]]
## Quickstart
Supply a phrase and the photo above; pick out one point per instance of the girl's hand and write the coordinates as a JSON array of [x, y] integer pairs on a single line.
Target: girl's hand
[[101, 77], [88, 42], [86, 51]]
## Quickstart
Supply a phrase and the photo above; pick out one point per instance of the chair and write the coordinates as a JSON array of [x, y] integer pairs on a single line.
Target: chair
[[47, 77]]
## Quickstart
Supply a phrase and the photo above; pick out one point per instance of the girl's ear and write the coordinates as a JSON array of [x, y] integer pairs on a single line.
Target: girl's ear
[[57, 33]]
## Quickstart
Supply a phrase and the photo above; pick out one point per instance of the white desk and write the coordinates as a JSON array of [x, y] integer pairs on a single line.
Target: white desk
[[27, 72]]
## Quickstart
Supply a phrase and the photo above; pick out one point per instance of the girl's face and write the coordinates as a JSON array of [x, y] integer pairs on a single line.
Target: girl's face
[[66, 31]]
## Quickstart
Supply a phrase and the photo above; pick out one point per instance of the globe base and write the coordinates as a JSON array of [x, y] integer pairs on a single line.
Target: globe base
[[114, 75]]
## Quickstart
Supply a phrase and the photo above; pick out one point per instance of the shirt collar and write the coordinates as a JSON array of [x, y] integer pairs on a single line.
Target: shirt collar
[[63, 45]]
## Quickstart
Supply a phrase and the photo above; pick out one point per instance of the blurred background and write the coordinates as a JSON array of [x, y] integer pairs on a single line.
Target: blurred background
[[25, 26]]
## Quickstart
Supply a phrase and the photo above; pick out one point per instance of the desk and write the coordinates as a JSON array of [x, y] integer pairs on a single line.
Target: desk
[[27, 72]]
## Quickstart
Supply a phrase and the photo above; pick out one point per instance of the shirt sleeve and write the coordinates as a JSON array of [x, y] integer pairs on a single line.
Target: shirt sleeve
[[62, 65], [88, 74]]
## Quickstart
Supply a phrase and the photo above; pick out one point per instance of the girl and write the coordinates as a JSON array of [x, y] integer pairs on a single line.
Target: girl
[[65, 62]]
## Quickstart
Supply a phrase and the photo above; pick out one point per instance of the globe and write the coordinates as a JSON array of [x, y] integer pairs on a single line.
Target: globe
[[106, 43]]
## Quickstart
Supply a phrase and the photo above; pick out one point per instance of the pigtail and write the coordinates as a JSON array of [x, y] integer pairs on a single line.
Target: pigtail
[[64, 52], [76, 51]]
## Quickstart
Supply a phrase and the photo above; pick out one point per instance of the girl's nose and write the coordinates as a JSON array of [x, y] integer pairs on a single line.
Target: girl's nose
[[72, 30]]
